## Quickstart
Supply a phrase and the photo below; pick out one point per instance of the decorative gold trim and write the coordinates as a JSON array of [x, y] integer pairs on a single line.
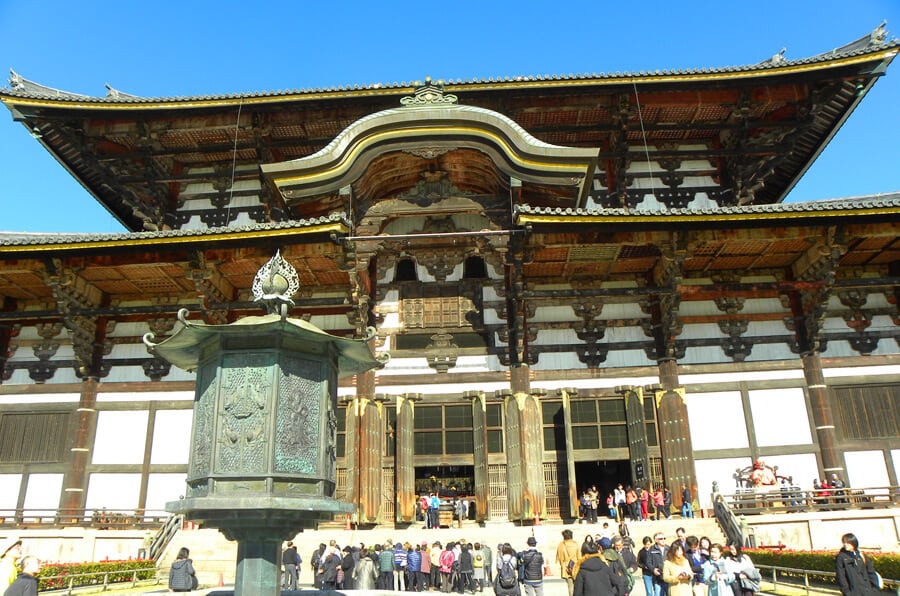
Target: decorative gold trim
[[139, 242], [669, 218], [348, 158], [487, 85]]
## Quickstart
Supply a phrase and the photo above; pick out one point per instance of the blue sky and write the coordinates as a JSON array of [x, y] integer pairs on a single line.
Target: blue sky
[[198, 47]]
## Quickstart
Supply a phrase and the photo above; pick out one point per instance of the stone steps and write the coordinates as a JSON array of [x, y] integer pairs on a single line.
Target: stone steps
[[215, 557]]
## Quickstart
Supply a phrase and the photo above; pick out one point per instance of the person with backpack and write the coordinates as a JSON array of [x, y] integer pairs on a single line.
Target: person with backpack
[[628, 559], [592, 575], [618, 572], [506, 582], [532, 570]]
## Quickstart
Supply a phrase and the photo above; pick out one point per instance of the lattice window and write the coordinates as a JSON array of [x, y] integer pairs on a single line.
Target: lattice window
[[656, 471], [340, 485], [869, 412], [552, 489], [442, 312], [499, 507], [387, 494], [33, 438]]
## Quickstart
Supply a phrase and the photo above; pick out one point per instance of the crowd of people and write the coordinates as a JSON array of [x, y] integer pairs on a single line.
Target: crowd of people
[[634, 503]]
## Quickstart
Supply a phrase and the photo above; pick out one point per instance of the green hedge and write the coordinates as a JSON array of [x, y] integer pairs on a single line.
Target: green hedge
[[57, 575], [887, 564]]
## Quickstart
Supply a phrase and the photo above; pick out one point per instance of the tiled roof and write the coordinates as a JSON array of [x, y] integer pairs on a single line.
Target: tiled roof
[[870, 44], [25, 239], [877, 201]]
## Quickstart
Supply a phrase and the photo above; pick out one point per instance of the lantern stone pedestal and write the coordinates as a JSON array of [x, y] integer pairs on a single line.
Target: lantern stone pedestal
[[263, 444]]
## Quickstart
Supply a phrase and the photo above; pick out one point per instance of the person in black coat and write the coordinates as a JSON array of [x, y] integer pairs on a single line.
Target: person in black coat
[[347, 565], [855, 573], [25, 584], [592, 575]]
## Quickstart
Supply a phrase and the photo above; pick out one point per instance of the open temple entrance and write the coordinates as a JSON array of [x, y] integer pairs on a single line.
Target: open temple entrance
[[447, 481], [605, 474]]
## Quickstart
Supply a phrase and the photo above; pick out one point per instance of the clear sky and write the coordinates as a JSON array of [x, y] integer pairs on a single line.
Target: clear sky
[[197, 47]]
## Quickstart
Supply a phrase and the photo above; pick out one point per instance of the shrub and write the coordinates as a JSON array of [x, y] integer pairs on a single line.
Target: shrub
[[57, 575], [887, 564]]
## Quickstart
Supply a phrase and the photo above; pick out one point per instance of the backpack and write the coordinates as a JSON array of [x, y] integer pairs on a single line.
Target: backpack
[[507, 576]]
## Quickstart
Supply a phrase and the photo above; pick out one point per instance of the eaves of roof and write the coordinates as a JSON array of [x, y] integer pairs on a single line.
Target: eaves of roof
[[27, 241], [29, 93], [871, 205]]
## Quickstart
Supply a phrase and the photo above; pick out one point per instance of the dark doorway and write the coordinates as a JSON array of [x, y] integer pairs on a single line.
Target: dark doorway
[[446, 481], [606, 475]]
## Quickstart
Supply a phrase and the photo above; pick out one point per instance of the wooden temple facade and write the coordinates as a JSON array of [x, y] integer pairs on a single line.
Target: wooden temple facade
[[568, 272]]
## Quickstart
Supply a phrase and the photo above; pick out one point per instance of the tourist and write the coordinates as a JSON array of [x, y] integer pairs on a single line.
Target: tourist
[[477, 568], [348, 563], [386, 568], [592, 575], [587, 540], [331, 563], [447, 559], [855, 573], [289, 558], [566, 556], [424, 580], [594, 500], [677, 571], [667, 502], [364, 574], [746, 576], [182, 577], [413, 568], [488, 565], [619, 497], [644, 499], [646, 570], [681, 538], [628, 559], [466, 570], [435, 556], [532, 576], [611, 506], [715, 575], [659, 501], [618, 572], [631, 504], [9, 564], [696, 560], [656, 558], [505, 581], [687, 509], [315, 563], [26, 583], [705, 545]]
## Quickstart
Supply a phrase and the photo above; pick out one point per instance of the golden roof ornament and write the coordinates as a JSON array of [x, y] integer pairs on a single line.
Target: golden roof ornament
[[429, 95], [275, 284]]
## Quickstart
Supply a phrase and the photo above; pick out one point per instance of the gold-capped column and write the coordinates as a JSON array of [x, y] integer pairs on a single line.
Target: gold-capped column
[[676, 447], [480, 453], [567, 393], [525, 448], [636, 427], [404, 465], [365, 449]]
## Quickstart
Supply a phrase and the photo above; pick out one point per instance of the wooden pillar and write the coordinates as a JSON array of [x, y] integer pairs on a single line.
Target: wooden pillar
[[365, 449], [524, 448], [480, 453], [636, 427], [567, 394], [81, 443], [674, 431], [823, 418], [404, 465]]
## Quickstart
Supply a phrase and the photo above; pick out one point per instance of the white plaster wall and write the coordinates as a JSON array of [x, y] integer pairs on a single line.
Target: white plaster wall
[[718, 470], [162, 488], [43, 492], [557, 361], [171, 437], [780, 417], [113, 491], [623, 358], [866, 469], [9, 490], [120, 437], [716, 420], [39, 398], [144, 396], [704, 355], [701, 331], [802, 467]]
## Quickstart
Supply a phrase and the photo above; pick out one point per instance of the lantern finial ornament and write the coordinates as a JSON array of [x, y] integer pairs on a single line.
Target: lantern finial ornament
[[275, 284]]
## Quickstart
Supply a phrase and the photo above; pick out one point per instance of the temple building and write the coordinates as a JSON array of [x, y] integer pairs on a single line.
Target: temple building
[[581, 280]]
